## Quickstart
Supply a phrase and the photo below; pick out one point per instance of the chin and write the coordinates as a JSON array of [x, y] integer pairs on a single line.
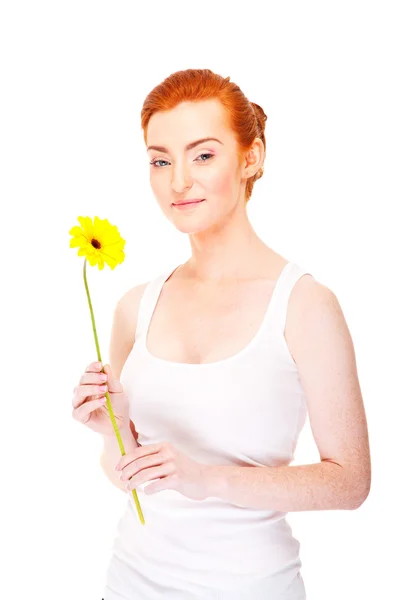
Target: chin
[[186, 227], [190, 229]]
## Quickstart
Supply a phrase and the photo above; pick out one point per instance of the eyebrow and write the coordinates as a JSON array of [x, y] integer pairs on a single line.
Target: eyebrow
[[188, 147]]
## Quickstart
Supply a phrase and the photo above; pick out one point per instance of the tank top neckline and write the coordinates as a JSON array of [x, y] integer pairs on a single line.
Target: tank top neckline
[[223, 361]]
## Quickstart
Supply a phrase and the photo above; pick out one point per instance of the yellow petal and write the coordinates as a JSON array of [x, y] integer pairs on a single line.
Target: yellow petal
[[111, 244]]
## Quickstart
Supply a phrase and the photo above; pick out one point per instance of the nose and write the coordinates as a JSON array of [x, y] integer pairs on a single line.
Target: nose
[[181, 179]]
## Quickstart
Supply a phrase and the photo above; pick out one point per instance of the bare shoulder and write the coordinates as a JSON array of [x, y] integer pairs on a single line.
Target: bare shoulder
[[123, 331], [310, 303], [320, 342], [128, 305], [315, 321]]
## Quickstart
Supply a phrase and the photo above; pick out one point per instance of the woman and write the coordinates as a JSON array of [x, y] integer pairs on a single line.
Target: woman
[[231, 350]]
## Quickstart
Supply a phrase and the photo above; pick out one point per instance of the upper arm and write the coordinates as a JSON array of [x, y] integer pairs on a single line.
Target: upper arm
[[123, 332], [323, 350]]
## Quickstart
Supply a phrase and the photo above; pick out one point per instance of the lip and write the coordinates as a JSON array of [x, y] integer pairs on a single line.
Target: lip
[[184, 203]]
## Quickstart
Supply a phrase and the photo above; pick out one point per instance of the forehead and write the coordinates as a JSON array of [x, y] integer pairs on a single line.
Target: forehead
[[186, 122]]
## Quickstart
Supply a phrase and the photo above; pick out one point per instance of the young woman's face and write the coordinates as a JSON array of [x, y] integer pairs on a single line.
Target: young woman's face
[[209, 171]]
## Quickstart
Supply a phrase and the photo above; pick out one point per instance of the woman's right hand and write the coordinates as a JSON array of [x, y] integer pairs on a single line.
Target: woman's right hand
[[90, 404]]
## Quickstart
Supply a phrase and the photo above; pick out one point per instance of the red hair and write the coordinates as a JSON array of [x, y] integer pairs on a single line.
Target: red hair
[[246, 119]]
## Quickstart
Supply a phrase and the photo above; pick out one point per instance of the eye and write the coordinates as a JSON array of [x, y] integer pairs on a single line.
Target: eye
[[205, 154], [208, 155], [156, 161]]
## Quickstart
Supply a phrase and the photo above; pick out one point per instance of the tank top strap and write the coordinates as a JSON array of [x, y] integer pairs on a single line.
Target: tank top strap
[[279, 301], [149, 300], [276, 311]]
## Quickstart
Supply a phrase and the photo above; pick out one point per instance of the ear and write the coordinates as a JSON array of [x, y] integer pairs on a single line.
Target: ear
[[253, 159]]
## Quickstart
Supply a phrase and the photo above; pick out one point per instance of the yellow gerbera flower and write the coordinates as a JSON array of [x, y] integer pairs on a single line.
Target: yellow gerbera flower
[[99, 242]]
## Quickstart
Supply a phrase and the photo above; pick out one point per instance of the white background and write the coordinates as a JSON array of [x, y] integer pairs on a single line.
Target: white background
[[73, 77]]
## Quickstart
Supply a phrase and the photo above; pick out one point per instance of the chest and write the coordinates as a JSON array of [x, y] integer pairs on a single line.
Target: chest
[[194, 325]]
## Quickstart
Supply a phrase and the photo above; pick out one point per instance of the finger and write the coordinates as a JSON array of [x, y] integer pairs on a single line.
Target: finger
[[142, 477], [163, 483], [82, 392], [94, 367], [83, 413], [113, 383], [138, 453], [134, 466], [88, 377]]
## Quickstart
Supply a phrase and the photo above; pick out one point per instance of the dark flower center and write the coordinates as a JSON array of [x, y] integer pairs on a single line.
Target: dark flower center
[[95, 243]]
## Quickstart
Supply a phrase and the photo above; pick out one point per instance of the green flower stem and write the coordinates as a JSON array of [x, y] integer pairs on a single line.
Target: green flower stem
[[109, 406]]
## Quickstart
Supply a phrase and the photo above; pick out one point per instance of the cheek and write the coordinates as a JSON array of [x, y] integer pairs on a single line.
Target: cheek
[[218, 182], [156, 185], [161, 190]]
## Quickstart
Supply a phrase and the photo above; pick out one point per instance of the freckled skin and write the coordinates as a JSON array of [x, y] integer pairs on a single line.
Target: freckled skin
[[225, 247]]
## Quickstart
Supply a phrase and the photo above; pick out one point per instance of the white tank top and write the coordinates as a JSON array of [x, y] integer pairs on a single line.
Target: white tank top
[[245, 410]]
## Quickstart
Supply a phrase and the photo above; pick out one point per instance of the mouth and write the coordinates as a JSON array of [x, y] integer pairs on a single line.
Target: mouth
[[187, 205], [178, 204]]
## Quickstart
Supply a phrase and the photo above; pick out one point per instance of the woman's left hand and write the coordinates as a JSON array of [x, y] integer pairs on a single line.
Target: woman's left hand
[[175, 470]]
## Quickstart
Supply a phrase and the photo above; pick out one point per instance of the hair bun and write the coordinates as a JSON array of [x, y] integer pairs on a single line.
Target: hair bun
[[260, 114], [258, 174]]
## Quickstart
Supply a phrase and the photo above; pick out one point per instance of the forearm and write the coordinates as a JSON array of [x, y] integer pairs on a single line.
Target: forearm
[[111, 454], [321, 486]]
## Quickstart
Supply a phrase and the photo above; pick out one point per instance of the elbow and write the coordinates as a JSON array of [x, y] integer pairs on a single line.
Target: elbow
[[360, 498], [357, 483]]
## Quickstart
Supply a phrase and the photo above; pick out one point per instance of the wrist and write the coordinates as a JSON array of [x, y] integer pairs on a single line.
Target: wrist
[[124, 431], [124, 428], [214, 481]]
